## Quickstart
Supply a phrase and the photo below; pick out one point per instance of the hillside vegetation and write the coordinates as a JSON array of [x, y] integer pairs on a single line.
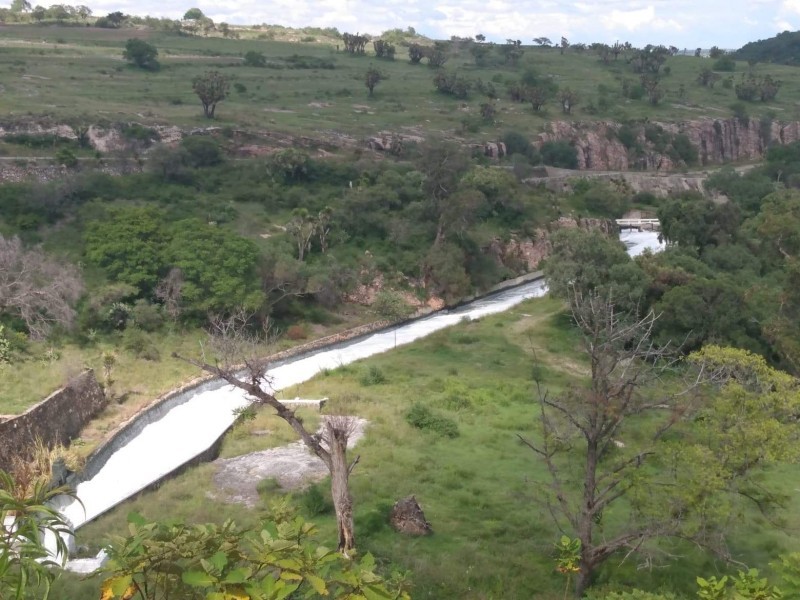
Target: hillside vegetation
[[78, 75], [552, 448]]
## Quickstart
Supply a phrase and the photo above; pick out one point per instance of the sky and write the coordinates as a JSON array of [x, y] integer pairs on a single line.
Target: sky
[[689, 24]]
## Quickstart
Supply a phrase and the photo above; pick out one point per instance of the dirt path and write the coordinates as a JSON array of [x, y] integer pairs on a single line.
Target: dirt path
[[292, 466]]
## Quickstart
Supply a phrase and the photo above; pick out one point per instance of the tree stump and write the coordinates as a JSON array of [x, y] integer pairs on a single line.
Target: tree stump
[[407, 517]]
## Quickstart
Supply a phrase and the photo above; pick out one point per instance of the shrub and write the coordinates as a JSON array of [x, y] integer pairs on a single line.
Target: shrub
[[201, 151], [296, 332], [683, 149], [141, 54], [66, 157], [422, 417], [726, 63], [559, 154], [372, 376], [313, 501], [255, 59], [452, 84], [146, 316], [138, 343], [627, 135]]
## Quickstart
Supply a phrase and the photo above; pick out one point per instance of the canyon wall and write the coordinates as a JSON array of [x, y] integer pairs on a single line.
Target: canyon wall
[[717, 141]]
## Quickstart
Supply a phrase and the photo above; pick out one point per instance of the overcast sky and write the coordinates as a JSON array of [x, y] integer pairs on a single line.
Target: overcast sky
[[683, 23]]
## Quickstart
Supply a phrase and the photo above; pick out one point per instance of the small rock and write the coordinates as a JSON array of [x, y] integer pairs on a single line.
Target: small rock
[[407, 517]]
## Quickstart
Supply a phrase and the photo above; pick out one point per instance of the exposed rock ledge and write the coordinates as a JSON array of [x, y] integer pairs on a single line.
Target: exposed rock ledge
[[717, 141]]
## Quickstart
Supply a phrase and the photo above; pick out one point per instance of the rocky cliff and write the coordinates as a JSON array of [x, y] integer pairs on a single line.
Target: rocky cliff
[[604, 146]]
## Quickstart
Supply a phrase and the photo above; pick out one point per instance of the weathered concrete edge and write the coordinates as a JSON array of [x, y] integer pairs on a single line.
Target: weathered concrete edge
[[157, 408]]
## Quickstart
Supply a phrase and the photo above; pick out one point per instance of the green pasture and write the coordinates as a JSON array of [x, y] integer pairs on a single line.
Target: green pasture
[[491, 540], [78, 74]]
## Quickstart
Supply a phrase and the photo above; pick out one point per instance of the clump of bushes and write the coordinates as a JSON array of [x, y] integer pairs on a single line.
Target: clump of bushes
[[372, 376], [422, 417]]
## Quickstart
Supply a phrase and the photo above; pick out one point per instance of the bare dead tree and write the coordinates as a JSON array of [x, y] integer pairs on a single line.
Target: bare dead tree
[[37, 288], [169, 291], [239, 359], [587, 421]]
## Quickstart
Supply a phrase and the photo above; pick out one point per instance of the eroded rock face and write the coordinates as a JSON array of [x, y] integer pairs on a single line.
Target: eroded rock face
[[407, 517], [717, 141]]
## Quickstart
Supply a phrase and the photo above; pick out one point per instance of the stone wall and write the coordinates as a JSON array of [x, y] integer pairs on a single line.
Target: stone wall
[[55, 420]]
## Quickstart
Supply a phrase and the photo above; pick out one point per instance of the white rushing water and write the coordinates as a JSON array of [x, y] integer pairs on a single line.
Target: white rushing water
[[192, 427]]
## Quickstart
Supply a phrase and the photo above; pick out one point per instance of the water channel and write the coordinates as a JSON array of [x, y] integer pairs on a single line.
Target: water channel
[[199, 417]]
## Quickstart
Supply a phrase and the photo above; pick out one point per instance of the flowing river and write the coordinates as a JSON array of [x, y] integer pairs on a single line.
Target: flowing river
[[198, 420]]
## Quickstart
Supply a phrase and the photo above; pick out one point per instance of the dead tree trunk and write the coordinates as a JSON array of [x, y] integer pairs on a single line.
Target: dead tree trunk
[[330, 447], [337, 434]]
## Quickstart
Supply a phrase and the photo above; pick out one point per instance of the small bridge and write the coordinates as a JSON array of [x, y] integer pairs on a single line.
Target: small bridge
[[640, 224]]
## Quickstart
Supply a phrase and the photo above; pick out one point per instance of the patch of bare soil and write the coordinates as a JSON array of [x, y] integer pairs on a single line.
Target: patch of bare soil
[[293, 466]]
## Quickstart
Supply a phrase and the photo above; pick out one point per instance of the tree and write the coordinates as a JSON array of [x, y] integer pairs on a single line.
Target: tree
[[690, 463], [128, 245], [564, 44], [542, 41], [384, 49], [237, 352], [480, 38], [37, 289], [25, 516], [373, 78], [301, 227], [211, 87], [568, 99], [253, 58], [142, 54], [587, 262], [537, 96], [115, 18], [193, 14], [219, 269], [20, 6]]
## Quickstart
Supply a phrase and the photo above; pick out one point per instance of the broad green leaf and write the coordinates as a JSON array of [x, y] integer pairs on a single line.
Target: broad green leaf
[[198, 579]]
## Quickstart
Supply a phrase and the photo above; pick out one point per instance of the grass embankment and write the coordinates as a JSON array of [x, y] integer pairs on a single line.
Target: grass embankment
[[491, 540], [77, 73]]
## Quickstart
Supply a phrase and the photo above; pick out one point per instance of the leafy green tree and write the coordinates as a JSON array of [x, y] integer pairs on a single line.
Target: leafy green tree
[[560, 154], [141, 54], [219, 268], [20, 6], [193, 14], [584, 262], [611, 441], [211, 87], [254, 58], [129, 245], [202, 151], [694, 222]]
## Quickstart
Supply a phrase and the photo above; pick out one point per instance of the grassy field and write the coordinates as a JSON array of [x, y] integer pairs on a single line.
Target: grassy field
[[490, 539], [77, 73]]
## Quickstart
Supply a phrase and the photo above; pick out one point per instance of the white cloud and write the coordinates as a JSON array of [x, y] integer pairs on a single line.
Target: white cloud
[[685, 23]]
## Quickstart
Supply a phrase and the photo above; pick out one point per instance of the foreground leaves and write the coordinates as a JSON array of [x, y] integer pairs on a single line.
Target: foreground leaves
[[222, 562]]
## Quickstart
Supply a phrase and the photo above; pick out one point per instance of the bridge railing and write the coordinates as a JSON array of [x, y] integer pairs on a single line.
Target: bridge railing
[[650, 224]]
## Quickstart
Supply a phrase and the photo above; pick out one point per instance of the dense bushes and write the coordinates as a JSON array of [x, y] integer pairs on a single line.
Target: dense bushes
[[559, 154], [422, 417]]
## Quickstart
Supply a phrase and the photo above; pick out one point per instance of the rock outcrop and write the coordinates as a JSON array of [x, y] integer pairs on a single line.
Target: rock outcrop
[[717, 141]]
